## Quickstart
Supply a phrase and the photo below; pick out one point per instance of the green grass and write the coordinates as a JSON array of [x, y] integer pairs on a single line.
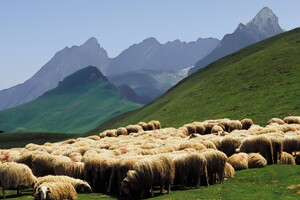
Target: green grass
[[260, 82], [271, 182], [75, 106], [10, 140]]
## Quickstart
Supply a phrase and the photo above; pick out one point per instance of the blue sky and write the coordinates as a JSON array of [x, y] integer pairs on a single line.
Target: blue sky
[[32, 31]]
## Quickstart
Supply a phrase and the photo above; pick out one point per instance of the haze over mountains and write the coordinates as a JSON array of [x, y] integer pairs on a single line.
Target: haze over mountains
[[167, 59], [262, 26], [150, 52], [79, 103]]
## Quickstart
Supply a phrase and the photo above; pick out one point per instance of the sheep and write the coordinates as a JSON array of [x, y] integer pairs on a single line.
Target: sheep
[[216, 161], [15, 176], [276, 120], [229, 171], [108, 133], [122, 131], [91, 169], [255, 144], [94, 137], [119, 171], [150, 126], [287, 158], [194, 145], [146, 173], [292, 120], [144, 125], [291, 144], [191, 128], [229, 144], [238, 161], [255, 160], [277, 147], [200, 128], [156, 124], [55, 191], [79, 185], [190, 168], [246, 123], [216, 129], [235, 124], [72, 169], [134, 128]]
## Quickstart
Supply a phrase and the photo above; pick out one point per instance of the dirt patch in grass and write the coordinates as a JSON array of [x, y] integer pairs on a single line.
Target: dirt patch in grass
[[293, 186]]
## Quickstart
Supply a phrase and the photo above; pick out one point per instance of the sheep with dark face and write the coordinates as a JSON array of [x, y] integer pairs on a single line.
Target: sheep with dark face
[[55, 191], [292, 120], [246, 123], [156, 124], [148, 172]]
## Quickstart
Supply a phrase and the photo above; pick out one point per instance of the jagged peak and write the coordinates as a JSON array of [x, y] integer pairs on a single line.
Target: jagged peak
[[92, 42], [150, 40]]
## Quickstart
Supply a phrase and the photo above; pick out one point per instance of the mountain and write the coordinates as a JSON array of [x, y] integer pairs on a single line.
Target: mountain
[[262, 26], [64, 63], [147, 82], [260, 81], [150, 54], [79, 102]]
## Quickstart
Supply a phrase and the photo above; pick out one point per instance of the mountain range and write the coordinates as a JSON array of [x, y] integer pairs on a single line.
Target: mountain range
[[260, 82], [262, 26], [81, 101], [68, 60]]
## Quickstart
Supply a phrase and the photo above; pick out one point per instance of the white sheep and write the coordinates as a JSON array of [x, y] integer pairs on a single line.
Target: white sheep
[[15, 176], [55, 191]]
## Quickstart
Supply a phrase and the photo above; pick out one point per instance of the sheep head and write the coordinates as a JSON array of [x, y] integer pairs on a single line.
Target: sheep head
[[42, 193]]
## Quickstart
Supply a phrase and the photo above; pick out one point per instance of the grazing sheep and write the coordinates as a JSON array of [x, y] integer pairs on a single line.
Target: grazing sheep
[[190, 168], [55, 191], [119, 172], [276, 120], [15, 176], [229, 171], [146, 173], [150, 126], [292, 120], [238, 161], [108, 133], [156, 124], [258, 144], [246, 123], [94, 137], [216, 161], [72, 169], [287, 158], [194, 145], [291, 144], [235, 124], [277, 147], [79, 185], [191, 128], [122, 131], [144, 126], [134, 129], [229, 144], [200, 128], [216, 129], [297, 159], [255, 160]]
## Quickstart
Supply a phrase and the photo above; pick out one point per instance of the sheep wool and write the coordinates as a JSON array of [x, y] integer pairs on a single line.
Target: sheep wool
[[55, 191], [15, 176], [255, 160], [238, 161]]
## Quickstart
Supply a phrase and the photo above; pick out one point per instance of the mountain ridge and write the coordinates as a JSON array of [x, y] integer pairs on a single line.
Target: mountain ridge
[[263, 25]]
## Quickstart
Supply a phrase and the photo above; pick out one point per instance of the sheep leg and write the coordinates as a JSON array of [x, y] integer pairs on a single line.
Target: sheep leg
[[169, 189], [3, 193]]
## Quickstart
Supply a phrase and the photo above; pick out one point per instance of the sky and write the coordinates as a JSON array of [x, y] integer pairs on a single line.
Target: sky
[[32, 31]]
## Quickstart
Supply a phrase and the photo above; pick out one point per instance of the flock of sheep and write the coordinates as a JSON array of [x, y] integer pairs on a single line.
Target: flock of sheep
[[134, 161]]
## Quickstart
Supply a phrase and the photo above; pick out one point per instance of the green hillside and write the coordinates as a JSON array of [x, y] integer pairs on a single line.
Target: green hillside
[[80, 102], [260, 81]]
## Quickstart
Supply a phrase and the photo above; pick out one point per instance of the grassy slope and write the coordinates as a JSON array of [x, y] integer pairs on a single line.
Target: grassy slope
[[271, 182], [74, 111], [260, 82]]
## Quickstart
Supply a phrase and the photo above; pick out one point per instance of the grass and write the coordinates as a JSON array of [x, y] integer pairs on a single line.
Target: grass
[[259, 82], [272, 182]]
